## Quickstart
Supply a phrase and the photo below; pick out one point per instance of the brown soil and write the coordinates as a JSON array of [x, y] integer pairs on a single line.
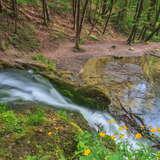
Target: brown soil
[[68, 59]]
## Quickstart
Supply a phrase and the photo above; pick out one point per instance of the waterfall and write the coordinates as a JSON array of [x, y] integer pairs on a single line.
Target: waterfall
[[27, 86]]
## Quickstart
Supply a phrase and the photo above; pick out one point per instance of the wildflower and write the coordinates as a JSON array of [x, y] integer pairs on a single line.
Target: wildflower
[[138, 136], [49, 133], [122, 136], [86, 152], [102, 134], [158, 129], [121, 128], [113, 137], [153, 130]]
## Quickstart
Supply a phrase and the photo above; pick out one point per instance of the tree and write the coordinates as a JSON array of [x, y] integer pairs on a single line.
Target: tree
[[109, 15], [46, 17], [152, 34], [0, 6], [79, 21], [15, 14], [137, 16]]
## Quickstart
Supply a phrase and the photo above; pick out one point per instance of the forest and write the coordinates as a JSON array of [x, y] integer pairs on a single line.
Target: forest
[[79, 79]]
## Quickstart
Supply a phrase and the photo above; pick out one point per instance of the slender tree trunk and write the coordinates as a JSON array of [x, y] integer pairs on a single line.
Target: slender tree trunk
[[74, 13], [137, 16], [108, 17], [1, 6], [15, 14], [46, 17], [77, 24], [83, 15], [152, 34]]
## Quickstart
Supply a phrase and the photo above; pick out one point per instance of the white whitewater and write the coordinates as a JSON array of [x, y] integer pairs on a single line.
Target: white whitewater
[[26, 86]]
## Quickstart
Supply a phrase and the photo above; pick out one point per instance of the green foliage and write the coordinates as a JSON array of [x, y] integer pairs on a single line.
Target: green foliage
[[11, 122], [28, 1], [60, 6], [36, 118], [3, 108], [37, 157], [93, 37], [95, 144], [41, 58], [99, 149]]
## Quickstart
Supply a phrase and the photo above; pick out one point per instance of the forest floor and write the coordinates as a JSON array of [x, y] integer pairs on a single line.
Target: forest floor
[[68, 59], [56, 41]]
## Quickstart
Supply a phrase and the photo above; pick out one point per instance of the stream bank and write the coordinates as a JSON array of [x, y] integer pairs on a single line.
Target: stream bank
[[94, 86]]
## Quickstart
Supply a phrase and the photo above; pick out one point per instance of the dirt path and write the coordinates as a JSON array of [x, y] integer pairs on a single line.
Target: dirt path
[[73, 61]]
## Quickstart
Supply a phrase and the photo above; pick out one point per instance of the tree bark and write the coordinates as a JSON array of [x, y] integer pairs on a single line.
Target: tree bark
[[83, 15], [77, 24], [137, 16], [152, 34], [1, 6], [15, 14], [74, 13], [46, 17], [108, 17]]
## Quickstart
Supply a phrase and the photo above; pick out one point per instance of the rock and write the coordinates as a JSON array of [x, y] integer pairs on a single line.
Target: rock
[[157, 49], [3, 45], [113, 46], [131, 49]]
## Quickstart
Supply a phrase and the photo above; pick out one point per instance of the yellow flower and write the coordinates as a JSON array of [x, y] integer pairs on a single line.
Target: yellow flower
[[102, 134], [86, 152], [113, 137], [158, 129], [121, 128], [138, 136], [153, 130], [121, 136], [49, 133]]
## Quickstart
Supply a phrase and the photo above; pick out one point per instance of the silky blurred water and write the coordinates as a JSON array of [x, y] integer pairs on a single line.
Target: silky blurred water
[[27, 86]]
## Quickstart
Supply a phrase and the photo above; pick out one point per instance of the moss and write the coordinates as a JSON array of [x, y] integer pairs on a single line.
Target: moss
[[51, 65], [34, 142], [85, 96]]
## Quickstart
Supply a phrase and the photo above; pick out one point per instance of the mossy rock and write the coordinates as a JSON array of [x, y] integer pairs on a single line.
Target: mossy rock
[[3, 45], [86, 96]]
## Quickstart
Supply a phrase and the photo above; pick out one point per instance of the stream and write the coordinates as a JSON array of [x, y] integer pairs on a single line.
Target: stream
[[18, 85], [137, 90]]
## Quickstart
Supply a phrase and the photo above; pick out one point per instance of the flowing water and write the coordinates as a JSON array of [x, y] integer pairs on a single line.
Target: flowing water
[[136, 82], [26, 86]]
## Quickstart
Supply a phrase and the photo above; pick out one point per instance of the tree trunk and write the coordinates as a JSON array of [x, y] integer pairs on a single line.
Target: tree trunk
[[0, 6], [108, 17], [152, 34], [83, 15], [74, 13], [15, 14], [137, 16], [77, 24], [46, 17]]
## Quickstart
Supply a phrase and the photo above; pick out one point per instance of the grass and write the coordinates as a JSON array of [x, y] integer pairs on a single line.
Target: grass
[[36, 118], [44, 60], [39, 133], [35, 133], [92, 146]]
